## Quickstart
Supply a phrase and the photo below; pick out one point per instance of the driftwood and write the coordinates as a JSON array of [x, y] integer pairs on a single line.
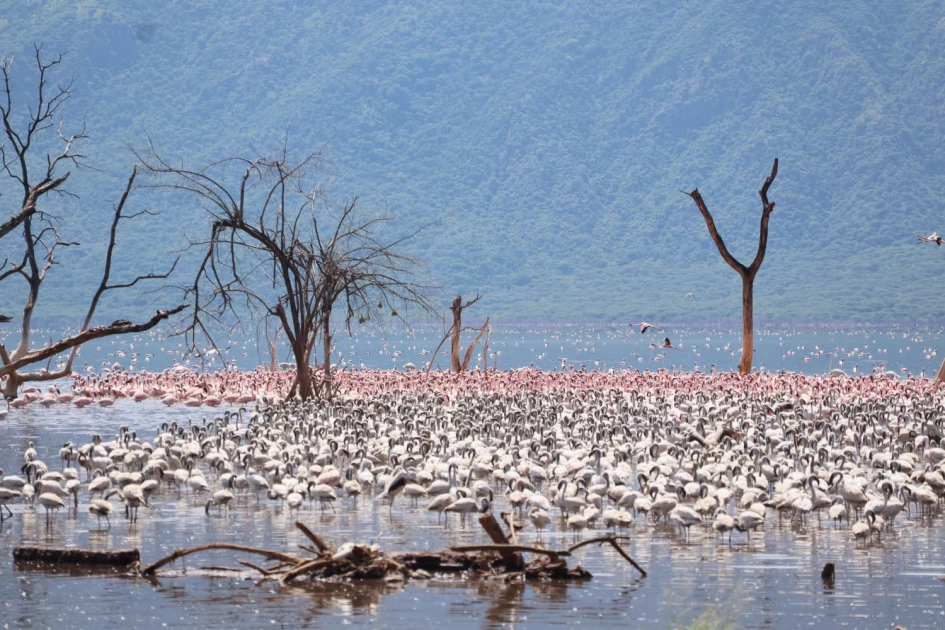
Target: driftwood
[[612, 541], [262, 570], [359, 562], [121, 557], [312, 550], [180, 553], [545, 568], [512, 559], [555, 555], [509, 548], [311, 565], [315, 538], [434, 561]]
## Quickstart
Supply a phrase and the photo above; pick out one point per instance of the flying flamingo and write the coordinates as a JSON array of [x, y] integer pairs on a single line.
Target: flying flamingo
[[644, 326], [931, 238], [666, 344]]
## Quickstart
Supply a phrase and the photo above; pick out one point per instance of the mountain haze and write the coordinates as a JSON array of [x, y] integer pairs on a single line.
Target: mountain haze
[[546, 142]]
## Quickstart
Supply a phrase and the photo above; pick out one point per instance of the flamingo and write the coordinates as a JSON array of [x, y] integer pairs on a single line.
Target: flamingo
[[723, 523], [395, 486], [221, 499], [100, 508], [51, 502]]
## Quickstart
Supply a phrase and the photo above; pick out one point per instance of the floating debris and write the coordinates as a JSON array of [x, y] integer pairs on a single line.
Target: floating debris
[[353, 561]]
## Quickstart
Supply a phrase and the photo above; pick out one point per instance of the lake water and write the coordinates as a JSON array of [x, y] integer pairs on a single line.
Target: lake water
[[810, 351], [772, 582]]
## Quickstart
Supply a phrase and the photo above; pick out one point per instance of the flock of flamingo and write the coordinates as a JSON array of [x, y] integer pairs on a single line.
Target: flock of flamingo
[[568, 450]]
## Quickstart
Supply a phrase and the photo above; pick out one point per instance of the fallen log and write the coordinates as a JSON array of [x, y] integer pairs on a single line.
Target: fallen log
[[433, 561], [121, 557]]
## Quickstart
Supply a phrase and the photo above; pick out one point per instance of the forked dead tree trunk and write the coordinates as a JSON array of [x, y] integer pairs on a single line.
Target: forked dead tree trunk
[[469, 351], [458, 365], [749, 272]]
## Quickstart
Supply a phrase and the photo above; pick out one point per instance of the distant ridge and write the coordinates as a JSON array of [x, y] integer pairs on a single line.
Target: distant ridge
[[548, 142]]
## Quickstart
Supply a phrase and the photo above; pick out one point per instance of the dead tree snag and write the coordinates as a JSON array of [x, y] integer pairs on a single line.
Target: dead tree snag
[[36, 177], [749, 272], [453, 334]]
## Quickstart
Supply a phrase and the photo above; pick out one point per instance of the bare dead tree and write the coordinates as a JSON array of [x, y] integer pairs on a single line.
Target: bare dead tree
[[277, 250], [40, 234], [360, 271], [15, 150], [749, 272], [453, 334], [253, 263], [41, 247]]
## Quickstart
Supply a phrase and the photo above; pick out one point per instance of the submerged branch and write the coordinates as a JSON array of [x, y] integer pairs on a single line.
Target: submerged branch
[[180, 553]]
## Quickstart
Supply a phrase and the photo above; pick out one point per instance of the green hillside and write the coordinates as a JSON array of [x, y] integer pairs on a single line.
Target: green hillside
[[548, 141]]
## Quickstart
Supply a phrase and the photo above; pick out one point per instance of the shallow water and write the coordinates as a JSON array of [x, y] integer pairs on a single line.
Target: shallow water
[[602, 347], [772, 582]]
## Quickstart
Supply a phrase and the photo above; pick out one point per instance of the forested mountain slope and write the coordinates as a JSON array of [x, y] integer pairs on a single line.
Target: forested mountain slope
[[548, 142]]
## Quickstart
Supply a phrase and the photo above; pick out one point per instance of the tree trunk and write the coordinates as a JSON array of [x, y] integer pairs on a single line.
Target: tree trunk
[[472, 346], [272, 351], [326, 345], [457, 365], [748, 272], [11, 387], [303, 377], [303, 374], [748, 328], [940, 377], [457, 309]]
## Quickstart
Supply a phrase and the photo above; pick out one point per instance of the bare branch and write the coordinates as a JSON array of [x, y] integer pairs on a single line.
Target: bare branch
[[714, 233], [472, 346], [110, 250], [78, 339], [472, 301], [38, 178], [437, 351], [767, 208]]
